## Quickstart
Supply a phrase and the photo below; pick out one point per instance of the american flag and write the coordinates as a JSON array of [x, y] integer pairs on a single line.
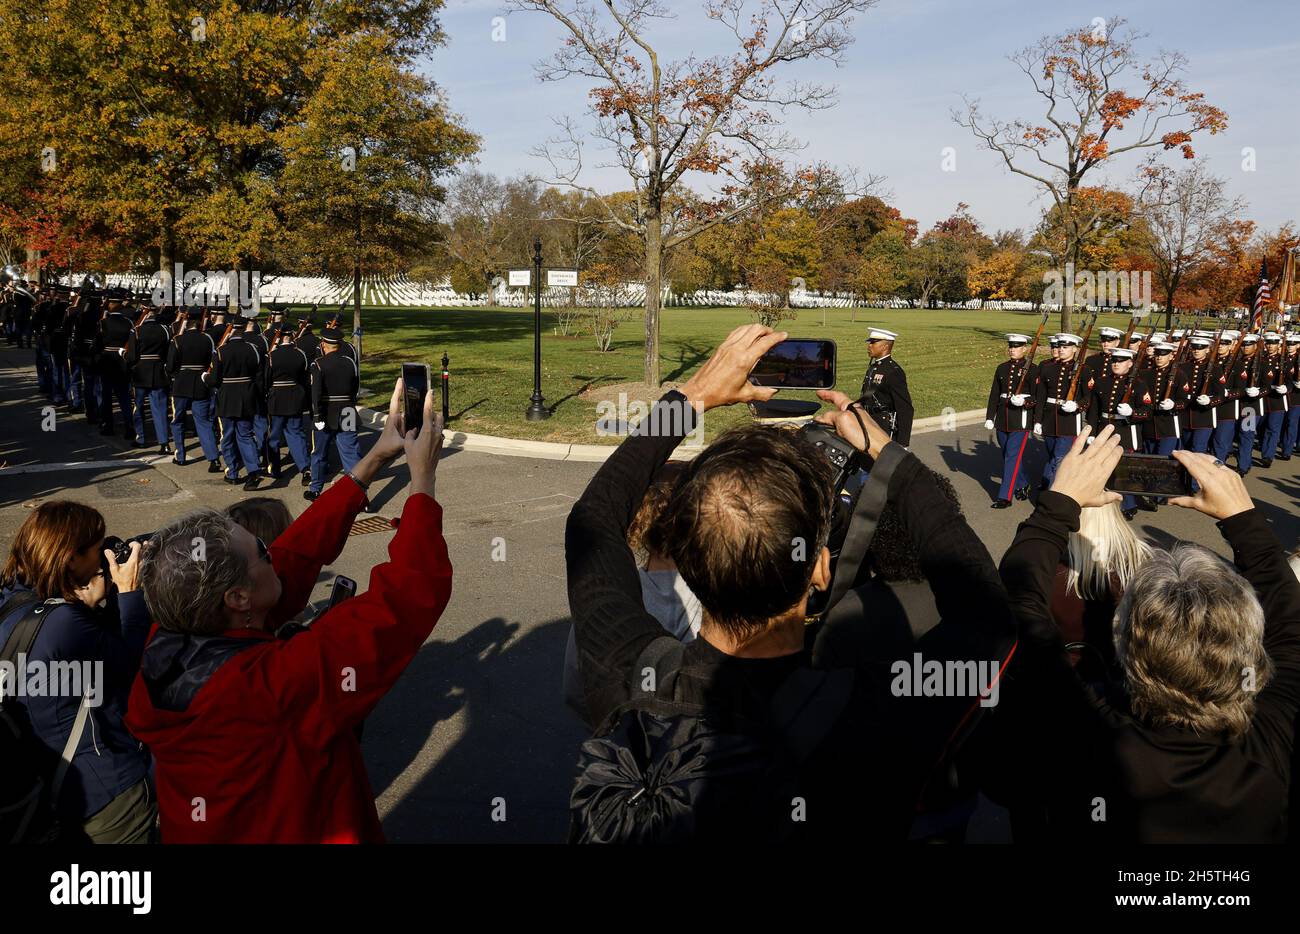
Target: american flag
[[1263, 295]]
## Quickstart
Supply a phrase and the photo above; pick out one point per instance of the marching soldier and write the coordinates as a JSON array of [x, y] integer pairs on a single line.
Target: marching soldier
[[85, 334], [1291, 426], [1099, 363], [1122, 399], [253, 334], [237, 377], [1207, 388], [114, 333], [1061, 418], [58, 328], [1275, 394], [307, 342], [884, 388], [334, 385], [287, 397], [146, 356], [1169, 388], [1252, 387], [192, 354], [1230, 365], [40, 315], [1011, 402], [346, 347]]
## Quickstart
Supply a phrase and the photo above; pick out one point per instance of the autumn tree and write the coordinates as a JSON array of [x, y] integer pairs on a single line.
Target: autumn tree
[[1101, 102], [665, 121], [1181, 212]]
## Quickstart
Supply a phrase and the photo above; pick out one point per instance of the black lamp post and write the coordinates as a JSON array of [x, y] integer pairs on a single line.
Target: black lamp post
[[536, 411]]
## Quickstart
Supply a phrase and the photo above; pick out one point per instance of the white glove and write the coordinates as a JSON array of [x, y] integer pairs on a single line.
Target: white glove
[[1280, 390], [1202, 399], [988, 424], [121, 351], [1038, 429], [1018, 399], [1166, 404], [1124, 410], [320, 426], [1069, 406], [1252, 392]]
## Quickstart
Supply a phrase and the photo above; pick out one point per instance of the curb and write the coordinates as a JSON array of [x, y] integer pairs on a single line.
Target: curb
[[598, 453]]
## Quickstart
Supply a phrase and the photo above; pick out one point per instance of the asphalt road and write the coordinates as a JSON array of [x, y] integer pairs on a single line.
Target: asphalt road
[[478, 715]]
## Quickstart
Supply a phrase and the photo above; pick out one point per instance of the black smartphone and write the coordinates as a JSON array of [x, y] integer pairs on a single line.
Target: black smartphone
[[797, 363], [1150, 475], [344, 587], [415, 376]]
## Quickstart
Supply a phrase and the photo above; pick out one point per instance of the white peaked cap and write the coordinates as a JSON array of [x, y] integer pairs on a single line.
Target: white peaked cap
[[882, 334]]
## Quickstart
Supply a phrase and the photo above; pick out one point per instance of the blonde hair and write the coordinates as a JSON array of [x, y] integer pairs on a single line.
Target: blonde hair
[[1104, 549], [1189, 637]]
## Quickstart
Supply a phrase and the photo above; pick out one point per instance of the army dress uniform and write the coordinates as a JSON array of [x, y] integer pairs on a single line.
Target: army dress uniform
[[1253, 388], [237, 378], [1060, 419], [1291, 424], [146, 356], [115, 333], [1163, 432], [259, 340], [1275, 395], [192, 354], [884, 392], [288, 388], [334, 386], [82, 353], [1010, 412]]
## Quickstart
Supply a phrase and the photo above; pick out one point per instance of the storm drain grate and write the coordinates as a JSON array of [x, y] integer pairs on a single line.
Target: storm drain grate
[[368, 524]]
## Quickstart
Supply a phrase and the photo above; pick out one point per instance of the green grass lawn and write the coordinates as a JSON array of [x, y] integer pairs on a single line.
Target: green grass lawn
[[949, 357]]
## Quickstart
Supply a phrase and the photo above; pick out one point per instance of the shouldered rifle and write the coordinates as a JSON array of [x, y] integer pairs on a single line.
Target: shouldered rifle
[[1210, 362], [1029, 357], [1082, 358], [1128, 335]]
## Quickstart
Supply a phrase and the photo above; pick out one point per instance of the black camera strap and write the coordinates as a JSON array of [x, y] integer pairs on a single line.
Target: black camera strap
[[862, 529]]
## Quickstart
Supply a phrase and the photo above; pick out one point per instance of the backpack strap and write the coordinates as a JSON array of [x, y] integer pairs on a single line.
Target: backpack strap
[[23, 635], [862, 525], [70, 747], [807, 705]]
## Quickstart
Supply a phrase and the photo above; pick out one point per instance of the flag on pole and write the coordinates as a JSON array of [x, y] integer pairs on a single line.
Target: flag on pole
[[1262, 295], [1286, 289]]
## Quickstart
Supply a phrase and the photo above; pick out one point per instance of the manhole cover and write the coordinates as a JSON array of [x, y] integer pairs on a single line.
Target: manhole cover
[[368, 524]]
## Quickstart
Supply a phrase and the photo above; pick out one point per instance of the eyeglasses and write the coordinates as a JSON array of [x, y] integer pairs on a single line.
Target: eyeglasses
[[874, 340], [262, 551]]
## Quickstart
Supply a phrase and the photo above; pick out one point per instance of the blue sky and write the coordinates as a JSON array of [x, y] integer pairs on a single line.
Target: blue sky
[[911, 62]]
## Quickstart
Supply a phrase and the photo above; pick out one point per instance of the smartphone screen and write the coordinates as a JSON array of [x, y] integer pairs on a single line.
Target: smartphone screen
[[1150, 475], [344, 587], [416, 378], [797, 363]]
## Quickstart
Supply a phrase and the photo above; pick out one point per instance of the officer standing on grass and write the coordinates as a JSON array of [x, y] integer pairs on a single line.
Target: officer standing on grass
[[884, 388]]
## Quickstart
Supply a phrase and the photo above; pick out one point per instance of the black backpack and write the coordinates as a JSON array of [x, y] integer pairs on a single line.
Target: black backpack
[[32, 775], [667, 771]]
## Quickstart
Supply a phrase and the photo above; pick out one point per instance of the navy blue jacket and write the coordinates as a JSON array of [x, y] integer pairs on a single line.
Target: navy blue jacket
[[108, 760]]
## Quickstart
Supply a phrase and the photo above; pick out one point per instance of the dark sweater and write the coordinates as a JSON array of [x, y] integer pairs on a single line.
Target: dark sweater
[[866, 776], [1159, 784]]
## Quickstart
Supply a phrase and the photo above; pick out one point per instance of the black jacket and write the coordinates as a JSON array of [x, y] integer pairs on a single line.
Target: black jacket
[[1167, 383], [237, 376], [1083, 750], [886, 381], [287, 381], [1108, 395], [334, 385], [1007, 381], [147, 352], [870, 769], [188, 362], [1053, 386]]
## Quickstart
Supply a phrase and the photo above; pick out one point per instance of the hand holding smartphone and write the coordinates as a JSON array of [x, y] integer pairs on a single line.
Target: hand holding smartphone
[[415, 377], [1150, 475], [797, 363]]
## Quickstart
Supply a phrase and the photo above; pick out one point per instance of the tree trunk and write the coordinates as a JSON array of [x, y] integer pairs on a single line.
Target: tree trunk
[[653, 258], [356, 288], [167, 266]]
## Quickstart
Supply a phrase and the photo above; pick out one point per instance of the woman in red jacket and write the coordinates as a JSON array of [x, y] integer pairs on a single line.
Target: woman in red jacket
[[252, 733]]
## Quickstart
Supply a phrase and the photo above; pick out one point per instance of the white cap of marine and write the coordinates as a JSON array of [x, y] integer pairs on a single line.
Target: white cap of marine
[[1018, 339], [1074, 339], [1122, 353], [881, 334]]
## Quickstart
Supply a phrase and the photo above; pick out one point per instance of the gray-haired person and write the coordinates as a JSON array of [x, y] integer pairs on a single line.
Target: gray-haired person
[[1195, 742]]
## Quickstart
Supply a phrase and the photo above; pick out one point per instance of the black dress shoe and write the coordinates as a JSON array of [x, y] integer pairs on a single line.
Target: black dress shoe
[[1147, 504], [233, 480], [253, 482], [306, 478], [1022, 494], [164, 449], [1129, 514], [1000, 504], [179, 463], [1284, 457], [214, 467], [1266, 462], [310, 495]]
